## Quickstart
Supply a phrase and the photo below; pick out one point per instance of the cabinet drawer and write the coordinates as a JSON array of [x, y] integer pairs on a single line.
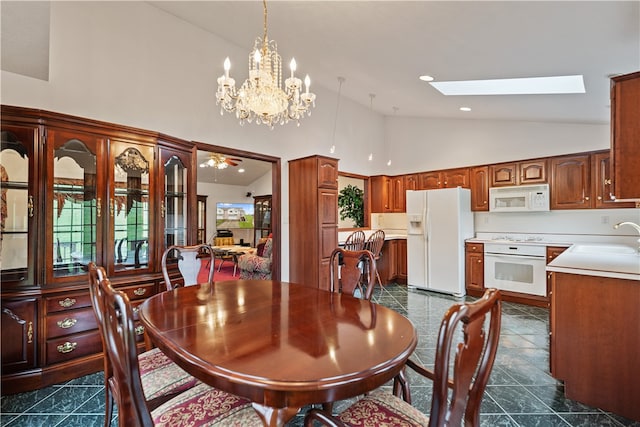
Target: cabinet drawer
[[474, 247], [140, 291], [68, 302], [70, 322], [73, 346]]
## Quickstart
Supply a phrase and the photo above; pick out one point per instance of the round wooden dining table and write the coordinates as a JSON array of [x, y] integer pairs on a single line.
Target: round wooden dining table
[[278, 344]]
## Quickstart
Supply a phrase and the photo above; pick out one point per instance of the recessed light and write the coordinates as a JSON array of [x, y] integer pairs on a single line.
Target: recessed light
[[240, 170], [523, 86], [465, 108], [426, 78]]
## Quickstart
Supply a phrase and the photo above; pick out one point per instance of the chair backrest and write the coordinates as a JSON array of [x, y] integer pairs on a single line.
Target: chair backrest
[[375, 242], [96, 274], [464, 326], [350, 269], [267, 251], [355, 241], [120, 346], [190, 260]]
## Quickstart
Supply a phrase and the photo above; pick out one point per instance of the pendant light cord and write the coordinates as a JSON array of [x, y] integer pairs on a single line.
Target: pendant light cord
[[335, 119]]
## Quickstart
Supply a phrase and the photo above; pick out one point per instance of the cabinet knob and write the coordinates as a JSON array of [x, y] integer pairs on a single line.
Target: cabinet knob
[[599, 197], [479, 261], [139, 330], [140, 291]]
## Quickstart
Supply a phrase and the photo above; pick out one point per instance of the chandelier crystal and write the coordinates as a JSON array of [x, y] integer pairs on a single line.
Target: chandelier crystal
[[261, 97]]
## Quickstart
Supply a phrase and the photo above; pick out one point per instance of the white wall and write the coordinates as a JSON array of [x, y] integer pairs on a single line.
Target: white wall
[[132, 64]]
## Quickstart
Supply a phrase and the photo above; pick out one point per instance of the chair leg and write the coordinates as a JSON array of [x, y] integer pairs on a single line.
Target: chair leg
[[108, 407]]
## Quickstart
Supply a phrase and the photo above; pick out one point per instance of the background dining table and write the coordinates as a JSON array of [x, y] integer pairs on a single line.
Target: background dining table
[[278, 344]]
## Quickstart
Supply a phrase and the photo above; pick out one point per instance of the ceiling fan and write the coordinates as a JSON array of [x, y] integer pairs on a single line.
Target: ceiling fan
[[220, 161]]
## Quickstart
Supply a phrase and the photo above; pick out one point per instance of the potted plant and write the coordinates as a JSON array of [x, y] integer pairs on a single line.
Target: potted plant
[[351, 204]]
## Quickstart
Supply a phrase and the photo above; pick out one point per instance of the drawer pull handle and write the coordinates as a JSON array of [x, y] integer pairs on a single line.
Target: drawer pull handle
[[135, 310], [67, 323], [67, 347], [139, 330], [67, 302], [140, 291]]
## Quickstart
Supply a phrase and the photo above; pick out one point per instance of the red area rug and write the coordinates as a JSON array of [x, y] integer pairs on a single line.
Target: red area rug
[[225, 273]]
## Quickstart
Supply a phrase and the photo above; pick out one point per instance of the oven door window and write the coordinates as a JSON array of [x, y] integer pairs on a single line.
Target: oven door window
[[514, 272]]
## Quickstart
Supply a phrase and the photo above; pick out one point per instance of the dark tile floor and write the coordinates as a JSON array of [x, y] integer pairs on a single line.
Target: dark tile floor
[[520, 393]]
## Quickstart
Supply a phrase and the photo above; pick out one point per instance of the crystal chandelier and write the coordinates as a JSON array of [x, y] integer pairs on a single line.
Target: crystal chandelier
[[261, 96]]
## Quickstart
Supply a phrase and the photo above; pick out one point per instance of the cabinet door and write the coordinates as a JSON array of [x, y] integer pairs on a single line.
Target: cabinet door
[[174, 176], [503, 174], [19, 209], [328, 233], [625, 141], [327, 172], [533, 172], [552, 253], [75, 204], [130, 213], [19, 326], [429, 180], [570, 182], [201, 221], [381, 190], [479, 180], [603, 183], [411, 182], [456, 178], [402, 260], [474, 267], [398, 194]]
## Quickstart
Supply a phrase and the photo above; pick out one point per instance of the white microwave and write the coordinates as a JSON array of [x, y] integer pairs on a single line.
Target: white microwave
[[520, 198]]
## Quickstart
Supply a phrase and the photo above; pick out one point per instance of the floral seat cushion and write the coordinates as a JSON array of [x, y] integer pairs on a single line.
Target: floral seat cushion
[[161, 376], [253, 266], [206, 406], [381, 408]]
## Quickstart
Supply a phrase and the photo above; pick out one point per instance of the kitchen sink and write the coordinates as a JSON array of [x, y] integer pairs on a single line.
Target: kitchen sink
[[603, 249]]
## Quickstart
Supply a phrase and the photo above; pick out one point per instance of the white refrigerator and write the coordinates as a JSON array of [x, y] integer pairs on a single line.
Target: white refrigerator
[[439, 221]]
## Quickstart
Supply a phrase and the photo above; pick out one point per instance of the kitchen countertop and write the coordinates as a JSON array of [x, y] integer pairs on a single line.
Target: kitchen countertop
[[594, 259]]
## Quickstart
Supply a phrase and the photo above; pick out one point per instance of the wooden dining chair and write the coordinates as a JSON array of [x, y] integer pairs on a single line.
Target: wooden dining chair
[[200, 405], [467, 345], [190, 260], [161, 378], [374, 244], [355, 241], [352, 272]]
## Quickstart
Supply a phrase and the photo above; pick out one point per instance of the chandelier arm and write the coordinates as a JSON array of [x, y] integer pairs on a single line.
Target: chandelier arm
[[264, 38]]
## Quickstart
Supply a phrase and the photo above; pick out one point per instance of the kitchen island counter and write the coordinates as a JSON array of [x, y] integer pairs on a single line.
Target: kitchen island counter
[[603, 260]]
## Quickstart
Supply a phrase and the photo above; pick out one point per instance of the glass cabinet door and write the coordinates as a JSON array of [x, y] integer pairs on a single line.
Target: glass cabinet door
[[74, 205], [18, 210], [173, 207], [129, 207]]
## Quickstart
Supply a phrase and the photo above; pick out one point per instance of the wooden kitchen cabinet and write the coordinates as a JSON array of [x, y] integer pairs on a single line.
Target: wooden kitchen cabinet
[[449, 178], [387, 194], [313, 190], [602, 182], [411, 182], [625, 135], [479, 184], [595, 325], [520, 173], [474, 268], [571, 182], [552, 253], [401, 256]]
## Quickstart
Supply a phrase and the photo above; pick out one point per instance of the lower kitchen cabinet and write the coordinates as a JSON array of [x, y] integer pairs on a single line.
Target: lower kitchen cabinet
[[595, 325], [474, 268], [392, 265]]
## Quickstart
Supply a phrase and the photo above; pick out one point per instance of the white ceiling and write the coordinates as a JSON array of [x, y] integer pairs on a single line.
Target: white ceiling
[[253, 169], [382, 47]]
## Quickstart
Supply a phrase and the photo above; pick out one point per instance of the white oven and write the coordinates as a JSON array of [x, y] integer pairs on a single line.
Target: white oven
[[515, 267]]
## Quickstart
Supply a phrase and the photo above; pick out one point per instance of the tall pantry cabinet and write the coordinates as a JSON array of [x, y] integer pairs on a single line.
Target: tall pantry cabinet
[[313, 219], [75, 191]]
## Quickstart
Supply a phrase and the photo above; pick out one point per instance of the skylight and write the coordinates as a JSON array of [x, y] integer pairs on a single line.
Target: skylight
[[521, 86]]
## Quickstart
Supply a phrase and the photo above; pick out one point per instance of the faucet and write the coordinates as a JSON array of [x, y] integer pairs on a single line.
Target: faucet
[[631, 224]]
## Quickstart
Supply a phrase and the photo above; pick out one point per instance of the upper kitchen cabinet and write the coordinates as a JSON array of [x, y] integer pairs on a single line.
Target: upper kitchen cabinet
[[625, 136], [450, 178], [603, 183], [411, 182], [571, 182], [479, 183], [381, 194], [20, 209], [520, 173]]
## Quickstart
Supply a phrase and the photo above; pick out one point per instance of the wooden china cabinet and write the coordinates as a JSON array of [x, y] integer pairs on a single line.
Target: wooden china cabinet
[[77, 190], [261, 217]]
